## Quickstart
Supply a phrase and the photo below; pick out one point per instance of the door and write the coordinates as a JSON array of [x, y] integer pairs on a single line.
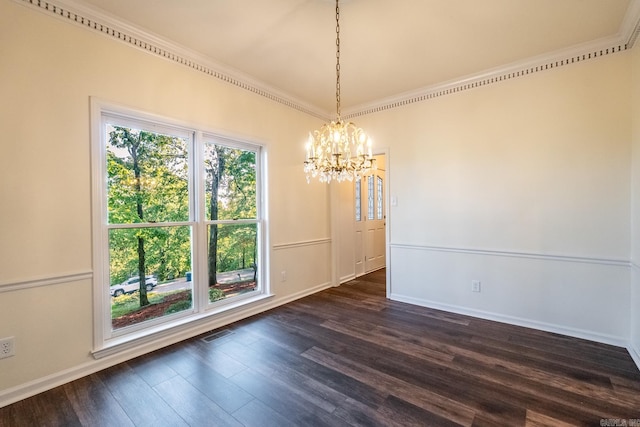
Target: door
[[359, 226], [370, 221], [374, 256]]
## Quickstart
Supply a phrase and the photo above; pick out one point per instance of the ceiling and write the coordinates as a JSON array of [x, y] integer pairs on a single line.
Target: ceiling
[[388, 47]]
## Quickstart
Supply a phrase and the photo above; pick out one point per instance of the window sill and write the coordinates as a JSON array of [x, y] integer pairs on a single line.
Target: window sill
[[182, 328]]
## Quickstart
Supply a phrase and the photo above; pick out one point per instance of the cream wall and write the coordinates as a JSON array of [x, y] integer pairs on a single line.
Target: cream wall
[[635, 209], [524, 185], [49, 70]]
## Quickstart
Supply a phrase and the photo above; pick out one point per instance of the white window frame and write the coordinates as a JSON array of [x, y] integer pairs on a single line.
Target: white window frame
[[106, 340]]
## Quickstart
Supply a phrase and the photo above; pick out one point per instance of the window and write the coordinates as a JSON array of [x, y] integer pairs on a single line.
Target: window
[[231, 218], [179, 208]]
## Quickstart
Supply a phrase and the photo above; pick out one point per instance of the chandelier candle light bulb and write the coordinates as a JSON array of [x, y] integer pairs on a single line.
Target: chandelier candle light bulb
[[336, 151]]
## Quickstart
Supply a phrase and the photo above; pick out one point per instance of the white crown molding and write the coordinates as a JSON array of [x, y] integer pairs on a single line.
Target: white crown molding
[[624, 40], [548, 61], [97, 20], [631, 24]]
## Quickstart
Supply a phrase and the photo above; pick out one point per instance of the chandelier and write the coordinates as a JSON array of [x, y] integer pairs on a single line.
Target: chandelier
[[339, 150]]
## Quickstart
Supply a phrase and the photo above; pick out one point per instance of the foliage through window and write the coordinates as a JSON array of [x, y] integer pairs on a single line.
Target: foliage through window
[[166, 191], [231, 207]]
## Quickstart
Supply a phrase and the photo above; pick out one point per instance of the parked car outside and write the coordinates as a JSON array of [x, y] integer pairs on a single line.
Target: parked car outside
[[131, 285]]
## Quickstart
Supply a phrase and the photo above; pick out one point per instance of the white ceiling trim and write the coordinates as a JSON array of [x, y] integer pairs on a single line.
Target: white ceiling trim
[[507, 72], [94, 20], [630, 27], [625, 39], [113, 27]]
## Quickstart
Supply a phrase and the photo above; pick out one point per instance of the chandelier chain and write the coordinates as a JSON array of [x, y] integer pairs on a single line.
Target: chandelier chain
[[338, 150], [338, 59]]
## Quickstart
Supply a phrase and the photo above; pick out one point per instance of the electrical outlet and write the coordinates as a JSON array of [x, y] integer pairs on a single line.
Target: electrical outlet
[[475, 286], [7, 347], [283, 276]]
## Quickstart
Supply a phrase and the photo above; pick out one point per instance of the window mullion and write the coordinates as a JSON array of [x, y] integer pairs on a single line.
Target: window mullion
[[233, 221], [199, 257]]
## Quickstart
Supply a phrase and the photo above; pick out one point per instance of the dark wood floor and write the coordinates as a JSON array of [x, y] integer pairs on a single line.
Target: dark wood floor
[[348, 356]]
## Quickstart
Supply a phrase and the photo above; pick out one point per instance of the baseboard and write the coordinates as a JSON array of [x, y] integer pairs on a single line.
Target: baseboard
[[347, 278], [517, 321], [31, 388]]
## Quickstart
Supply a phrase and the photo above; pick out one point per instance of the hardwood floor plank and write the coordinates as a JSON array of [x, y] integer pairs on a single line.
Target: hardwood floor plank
[[514, 389], [257, 414], [181, 360], [140, 402], [407, 414], [48, 409], [543, 372], [357, 414], [426, 399], [220, 390], [94, 404], [270, 358], [194, 407], [535, 419], [281, 366], [283, 399], [150, 370], [218, 361], [389, 339], [619, 370]]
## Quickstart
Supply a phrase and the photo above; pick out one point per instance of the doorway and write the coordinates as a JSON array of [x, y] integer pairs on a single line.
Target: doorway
[[370, 220]]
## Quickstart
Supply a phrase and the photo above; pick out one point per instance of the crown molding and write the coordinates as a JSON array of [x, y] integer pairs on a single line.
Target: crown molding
[[560, 58], [116, 28], [630, 27], [624, 40]]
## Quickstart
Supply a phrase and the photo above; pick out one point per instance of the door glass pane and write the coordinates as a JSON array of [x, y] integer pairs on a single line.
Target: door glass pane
[[230, 183], [164, 254], [379, 197], [147, 176], [358, 191], [370, 198], [233, 258]]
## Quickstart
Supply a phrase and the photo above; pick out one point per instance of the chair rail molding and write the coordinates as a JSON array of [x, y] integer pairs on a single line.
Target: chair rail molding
[[292, 245], [515, 254], [36, 282]]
